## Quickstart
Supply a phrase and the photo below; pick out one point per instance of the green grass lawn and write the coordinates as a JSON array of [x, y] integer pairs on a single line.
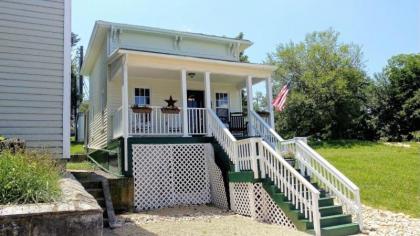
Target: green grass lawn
[[84, 165], [388, 176], [75, 147]]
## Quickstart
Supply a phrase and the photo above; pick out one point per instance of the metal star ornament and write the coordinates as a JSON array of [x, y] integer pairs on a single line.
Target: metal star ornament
[[171, 102]]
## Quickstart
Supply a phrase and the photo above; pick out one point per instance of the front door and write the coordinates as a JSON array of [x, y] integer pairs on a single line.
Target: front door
[[195, 98], [196, 117]]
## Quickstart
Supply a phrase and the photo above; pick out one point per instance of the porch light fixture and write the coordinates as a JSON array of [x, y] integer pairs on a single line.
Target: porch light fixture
[[191, 75]]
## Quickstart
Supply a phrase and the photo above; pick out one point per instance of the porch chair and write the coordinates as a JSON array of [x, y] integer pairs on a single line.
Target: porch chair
[[237, 123], [223, 114]]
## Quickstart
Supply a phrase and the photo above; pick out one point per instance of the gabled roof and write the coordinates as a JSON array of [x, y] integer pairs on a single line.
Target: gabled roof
[[101, 27]]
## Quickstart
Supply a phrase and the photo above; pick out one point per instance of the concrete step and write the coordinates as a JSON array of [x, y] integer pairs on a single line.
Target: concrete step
[[91, 184], [96, 192]]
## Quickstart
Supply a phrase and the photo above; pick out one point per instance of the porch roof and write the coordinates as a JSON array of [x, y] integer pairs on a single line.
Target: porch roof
[[192, 64]]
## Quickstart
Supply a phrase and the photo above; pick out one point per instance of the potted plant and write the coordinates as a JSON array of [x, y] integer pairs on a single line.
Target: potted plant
[[170, 108], [141, 109], [289, 157]]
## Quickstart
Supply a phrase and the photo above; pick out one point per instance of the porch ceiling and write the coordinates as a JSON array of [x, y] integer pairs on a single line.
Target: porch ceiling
[[154, 73]]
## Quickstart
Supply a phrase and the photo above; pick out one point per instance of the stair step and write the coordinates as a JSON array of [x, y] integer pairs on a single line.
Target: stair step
[[325, 201], [89, 184], [335, 220], [330, 210], [95, 192], [340, 230]]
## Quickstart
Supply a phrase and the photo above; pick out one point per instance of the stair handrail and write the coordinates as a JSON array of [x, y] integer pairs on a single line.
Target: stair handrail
[[333, 180], [263, 129], [222, 134], [303, 195], [298, 145]]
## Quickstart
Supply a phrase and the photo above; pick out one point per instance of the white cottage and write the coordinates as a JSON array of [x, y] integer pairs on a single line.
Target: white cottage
[[163, 96], [35, 73]]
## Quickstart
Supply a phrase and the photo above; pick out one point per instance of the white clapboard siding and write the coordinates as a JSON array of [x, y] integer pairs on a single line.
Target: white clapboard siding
[[30, 97], [98, 122], [32, 77], [30, 83], [31, 14], [27, 6], [31, 104], [30, 123], [31, 72]]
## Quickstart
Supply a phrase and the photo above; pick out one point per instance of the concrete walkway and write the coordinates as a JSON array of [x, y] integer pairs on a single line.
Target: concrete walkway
[[194, 221]]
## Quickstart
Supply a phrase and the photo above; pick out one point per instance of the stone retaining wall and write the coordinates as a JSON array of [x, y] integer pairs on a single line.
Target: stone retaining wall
[[76, 213]]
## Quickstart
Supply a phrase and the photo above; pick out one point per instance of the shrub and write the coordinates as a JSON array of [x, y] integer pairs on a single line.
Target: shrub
[[28, 177]]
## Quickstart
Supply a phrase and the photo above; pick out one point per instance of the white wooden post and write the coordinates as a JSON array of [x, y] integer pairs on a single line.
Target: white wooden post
[[184, 102], [207, 100], [250, 105], [269, 93], [124, 93]]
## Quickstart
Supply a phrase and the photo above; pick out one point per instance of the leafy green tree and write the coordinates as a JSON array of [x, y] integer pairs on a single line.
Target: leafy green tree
[[397, 97], [328, 87], [242, 56], [76, 98]]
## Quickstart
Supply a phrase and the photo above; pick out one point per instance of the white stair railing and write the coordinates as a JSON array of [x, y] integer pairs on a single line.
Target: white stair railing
[[303, 195], [262, 129], [245, 155], [223, 136], [331, 179], [313, 164]]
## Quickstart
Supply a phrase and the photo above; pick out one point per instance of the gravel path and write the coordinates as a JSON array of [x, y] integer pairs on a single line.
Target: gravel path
[[211, 221], [381, 222], [194, 221]]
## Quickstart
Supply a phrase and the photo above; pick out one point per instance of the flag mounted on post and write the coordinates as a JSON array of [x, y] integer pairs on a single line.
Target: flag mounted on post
[[280, 101]]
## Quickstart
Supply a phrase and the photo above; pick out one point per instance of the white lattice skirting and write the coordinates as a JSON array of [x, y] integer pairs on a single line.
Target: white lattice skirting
[[252, 200], [176, 174]]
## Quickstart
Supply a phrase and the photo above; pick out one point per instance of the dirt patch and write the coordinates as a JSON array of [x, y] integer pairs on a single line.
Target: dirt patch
[[194, 220]]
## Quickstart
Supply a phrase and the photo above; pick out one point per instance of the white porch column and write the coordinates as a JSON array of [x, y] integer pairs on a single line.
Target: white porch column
[[250, 105], [207, 99], [124, 93], [184, 102], [269, 93]]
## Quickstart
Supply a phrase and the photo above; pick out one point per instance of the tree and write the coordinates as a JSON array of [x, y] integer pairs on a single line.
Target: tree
[[397, 97], [242, 56], [328, 87], [76, 98]]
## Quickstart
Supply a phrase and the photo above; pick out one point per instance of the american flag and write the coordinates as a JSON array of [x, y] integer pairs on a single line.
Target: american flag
[[280, 101]]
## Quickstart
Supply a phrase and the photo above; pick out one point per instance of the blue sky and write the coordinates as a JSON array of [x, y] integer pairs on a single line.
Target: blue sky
[[382, 27]]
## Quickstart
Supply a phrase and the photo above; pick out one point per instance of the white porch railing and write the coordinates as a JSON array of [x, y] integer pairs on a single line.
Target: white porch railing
[[158, 123], [117, 127], [154, 123], [197, 121], [313, 164]]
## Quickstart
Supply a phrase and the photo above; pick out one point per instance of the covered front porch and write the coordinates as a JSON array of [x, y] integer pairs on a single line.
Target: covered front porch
[[142, 85]]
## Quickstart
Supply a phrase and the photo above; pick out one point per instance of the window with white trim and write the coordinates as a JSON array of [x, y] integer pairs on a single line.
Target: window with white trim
[[222, 100], [142, 96]]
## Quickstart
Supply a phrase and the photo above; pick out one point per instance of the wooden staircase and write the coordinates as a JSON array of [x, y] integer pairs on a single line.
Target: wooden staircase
[[333, 221]]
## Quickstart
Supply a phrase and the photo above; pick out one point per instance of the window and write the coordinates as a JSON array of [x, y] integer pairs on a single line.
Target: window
[[142, 96], [222, 100]]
